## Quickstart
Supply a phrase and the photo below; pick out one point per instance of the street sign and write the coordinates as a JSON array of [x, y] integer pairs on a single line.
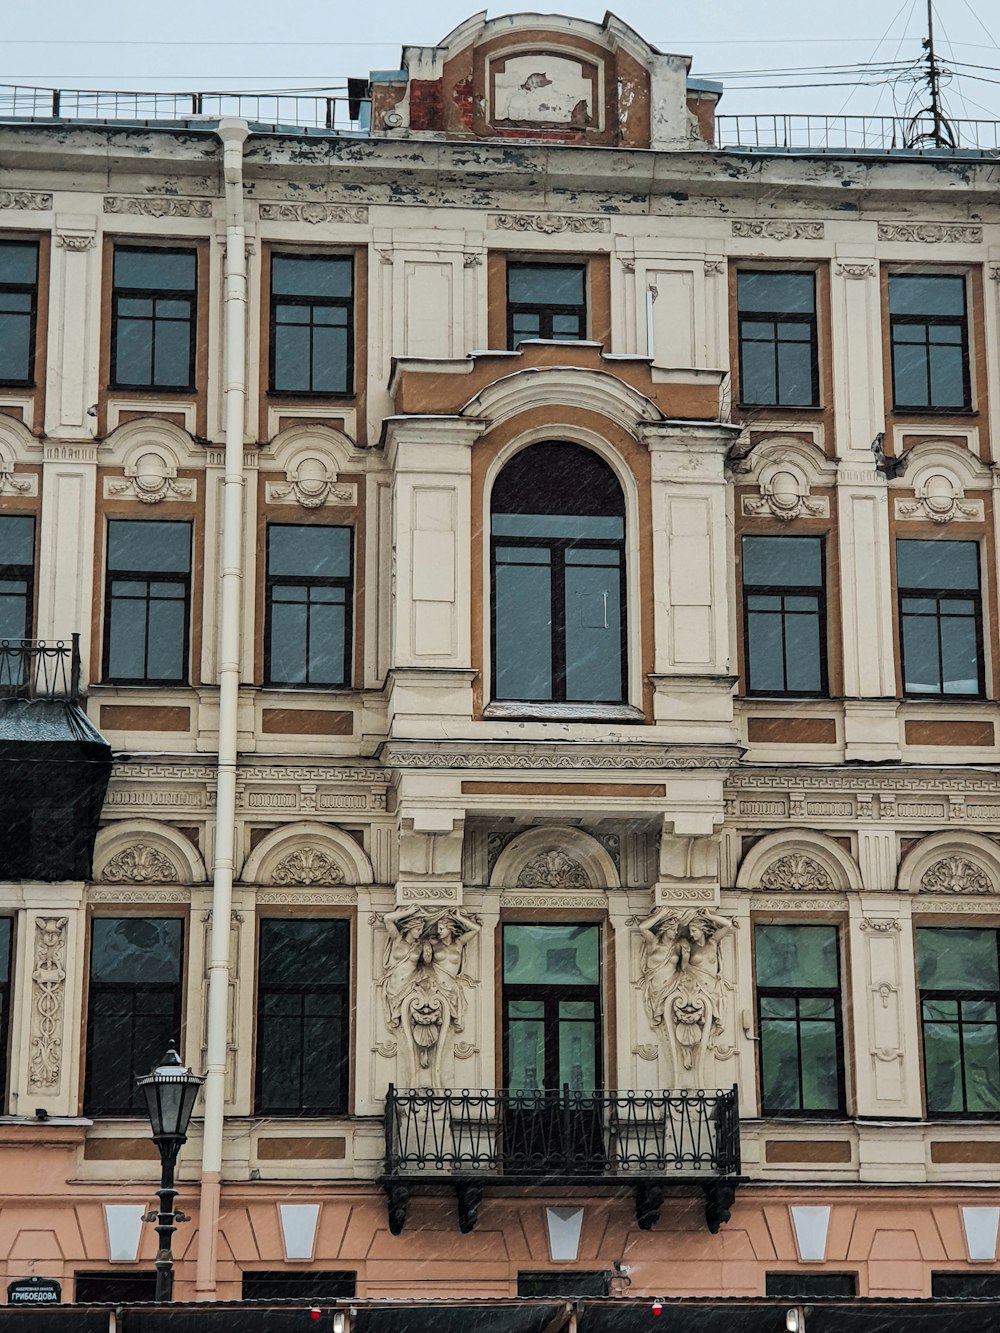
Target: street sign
[[34, 1291]]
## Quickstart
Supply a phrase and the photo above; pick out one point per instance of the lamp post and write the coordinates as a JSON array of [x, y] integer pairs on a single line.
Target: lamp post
[[170, 1092]]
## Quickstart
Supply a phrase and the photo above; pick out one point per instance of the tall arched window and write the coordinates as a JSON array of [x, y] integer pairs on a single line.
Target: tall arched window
[[558, 578]]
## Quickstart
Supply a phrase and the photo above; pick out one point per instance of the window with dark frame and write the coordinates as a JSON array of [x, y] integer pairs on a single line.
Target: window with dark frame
[[6, 954], [153, 318], [958, 971], [133, 1007], [564, 1282], [778, 342], [808, 1286], [784, 615], [303, 1016], [558, 578], [308, 612], [940, 617], [114, 1288], [280, 1285], [147, 602], [929, 336], [312, 337], [798, 1013], [18, 312], [546, 301], [17, 575], [965, 1286]]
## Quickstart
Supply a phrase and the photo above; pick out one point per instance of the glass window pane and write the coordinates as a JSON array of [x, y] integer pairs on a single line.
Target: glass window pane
[[545, 284], [795, 383], [326, 645], [291, 358], [130, 949], [6, 930], [555, 955], [593, 633], [803, 653], [959, 654], [921, 667], [566, 326], [534, 482], [311, 275], [583, 527], [523, 619], [758, 383], [127, 638], [17, 539], [155, 270], [308, 550], [777, 293], [957, 958], [910, 385], [764, 651], [820, 1065], [947, 377], [15, 347], [165, 650], [133, 352], [789, 562], [329, 363], [303, 952], [525, 1054], [779, 1059], [942, 1067], [19, 262], [926, 294], [149, 546], [803, 957], [937, 564], [577, 1056], [172, 353], [982, 1067], [288, 643]]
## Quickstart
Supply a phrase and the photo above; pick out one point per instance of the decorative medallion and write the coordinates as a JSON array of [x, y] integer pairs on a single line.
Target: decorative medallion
[[796, 872], [140, 864], [955, 874], [552, 870], [308, 865]]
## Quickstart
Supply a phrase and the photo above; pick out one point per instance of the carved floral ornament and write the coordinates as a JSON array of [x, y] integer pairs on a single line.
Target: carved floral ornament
[[150, 479], [311, 484], [140, 864], [552, 869], [784, 496], [955, 874], [307, 865], [939, 498], [796, 872]]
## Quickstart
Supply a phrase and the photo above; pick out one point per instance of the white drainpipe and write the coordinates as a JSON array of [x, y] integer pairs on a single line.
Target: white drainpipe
[[232, 133]]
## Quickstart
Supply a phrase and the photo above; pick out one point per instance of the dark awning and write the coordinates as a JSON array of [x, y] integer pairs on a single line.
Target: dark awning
[[55, 1319], [404, 1317], [861, 1315], [54, 772]]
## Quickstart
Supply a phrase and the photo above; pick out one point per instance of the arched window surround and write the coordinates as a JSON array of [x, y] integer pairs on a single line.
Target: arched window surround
[[631, 707]]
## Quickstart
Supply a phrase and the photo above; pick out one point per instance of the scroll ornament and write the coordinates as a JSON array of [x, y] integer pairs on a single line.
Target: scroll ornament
[[48, 990]]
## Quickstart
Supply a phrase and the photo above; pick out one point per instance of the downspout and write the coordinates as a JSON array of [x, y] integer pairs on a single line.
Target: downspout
[[232, 133]]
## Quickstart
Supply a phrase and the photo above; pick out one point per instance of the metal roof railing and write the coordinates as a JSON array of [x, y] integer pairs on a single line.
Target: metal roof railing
[[831, 134]]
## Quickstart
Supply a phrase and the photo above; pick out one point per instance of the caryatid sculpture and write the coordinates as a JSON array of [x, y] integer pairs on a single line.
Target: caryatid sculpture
[[424, 980], [682, 982]]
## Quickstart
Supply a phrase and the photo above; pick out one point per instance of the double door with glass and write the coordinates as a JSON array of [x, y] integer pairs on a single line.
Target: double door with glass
[[552, 1110]]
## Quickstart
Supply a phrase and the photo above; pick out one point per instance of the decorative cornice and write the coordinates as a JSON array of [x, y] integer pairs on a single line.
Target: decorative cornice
[[313, 212], [303, 898], [25, 199], [779, 231], [158, 206], [931, 233], [548, 223], [553, 900], [542, 756], [149, 896]]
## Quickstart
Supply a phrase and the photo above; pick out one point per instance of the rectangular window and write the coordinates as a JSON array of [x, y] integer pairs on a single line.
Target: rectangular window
[[18, 311], [563, 1282], [784, 615], [929, 333], [546, 301], [806, 1286], [940, 617], [303, 1011], [965, 1286], [17, 575], [279, 1285], [6, 952], [115, 1288], [147, 602], [779, 363], [308, 613], [153, 318], [134, 1007], [312, 344], [959, 975], [798, 1003]]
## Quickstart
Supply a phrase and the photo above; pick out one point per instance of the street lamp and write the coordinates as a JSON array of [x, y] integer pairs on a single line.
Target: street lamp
[[170, 1092]]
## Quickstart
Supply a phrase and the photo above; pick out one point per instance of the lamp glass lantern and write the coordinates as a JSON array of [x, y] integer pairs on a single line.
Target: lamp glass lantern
[[170, 1091]]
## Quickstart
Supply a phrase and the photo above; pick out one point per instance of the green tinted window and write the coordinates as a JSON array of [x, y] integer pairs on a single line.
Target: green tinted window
[[801, 957], [559, 955], [957, 959]]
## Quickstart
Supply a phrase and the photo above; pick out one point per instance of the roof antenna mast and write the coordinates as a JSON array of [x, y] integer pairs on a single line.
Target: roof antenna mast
[[940, 134]]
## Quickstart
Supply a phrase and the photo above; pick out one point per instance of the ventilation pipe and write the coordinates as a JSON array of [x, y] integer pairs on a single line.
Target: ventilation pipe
[[233, 133]]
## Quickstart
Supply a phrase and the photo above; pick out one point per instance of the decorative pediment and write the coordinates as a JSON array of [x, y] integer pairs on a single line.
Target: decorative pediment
[[307, 854], [145, 852], [951, 864], [804, 861], [955, 874], [797, 872], [554, 858]]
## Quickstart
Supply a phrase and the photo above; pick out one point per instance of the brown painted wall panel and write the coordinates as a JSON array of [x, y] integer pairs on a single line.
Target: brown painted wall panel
[[144, 717], [306, 722], [968, 1152], [301, 1150], [792, 730], [927, 731], [120, 1150], [812, 1150], [563, 789]]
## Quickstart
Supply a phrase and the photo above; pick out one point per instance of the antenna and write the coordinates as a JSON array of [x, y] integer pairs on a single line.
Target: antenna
[[941, 134]]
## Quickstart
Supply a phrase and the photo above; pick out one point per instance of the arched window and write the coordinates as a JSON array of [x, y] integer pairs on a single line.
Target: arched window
[[558, 578]]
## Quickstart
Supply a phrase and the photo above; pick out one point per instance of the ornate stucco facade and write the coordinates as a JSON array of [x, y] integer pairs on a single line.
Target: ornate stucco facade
[[676, 819]]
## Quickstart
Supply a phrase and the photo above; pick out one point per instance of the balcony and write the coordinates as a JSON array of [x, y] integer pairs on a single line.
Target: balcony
[[54, 763], [638, 1140]]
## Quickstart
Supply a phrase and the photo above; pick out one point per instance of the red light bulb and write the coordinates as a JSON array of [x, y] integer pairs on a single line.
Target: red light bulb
[[314, 1314], [657, 1306]]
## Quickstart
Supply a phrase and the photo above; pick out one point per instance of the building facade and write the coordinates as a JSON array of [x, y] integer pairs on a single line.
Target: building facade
[[535, 570]]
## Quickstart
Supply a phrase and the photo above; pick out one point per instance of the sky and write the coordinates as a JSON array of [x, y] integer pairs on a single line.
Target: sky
[[190, 45]]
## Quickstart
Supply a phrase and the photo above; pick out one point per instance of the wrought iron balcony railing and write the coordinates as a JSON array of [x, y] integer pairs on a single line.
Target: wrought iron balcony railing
[[40, 669], [646, 1139]]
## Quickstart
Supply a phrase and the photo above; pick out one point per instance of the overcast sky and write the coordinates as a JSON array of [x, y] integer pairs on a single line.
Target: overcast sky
[[257, 44]]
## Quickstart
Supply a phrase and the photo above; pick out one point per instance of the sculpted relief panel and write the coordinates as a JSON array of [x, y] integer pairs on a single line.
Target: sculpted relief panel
[[683, 987], [543, 89], [423, 984]]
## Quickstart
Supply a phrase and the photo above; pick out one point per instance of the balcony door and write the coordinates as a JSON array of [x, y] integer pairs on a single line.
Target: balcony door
[[552, 1049]]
